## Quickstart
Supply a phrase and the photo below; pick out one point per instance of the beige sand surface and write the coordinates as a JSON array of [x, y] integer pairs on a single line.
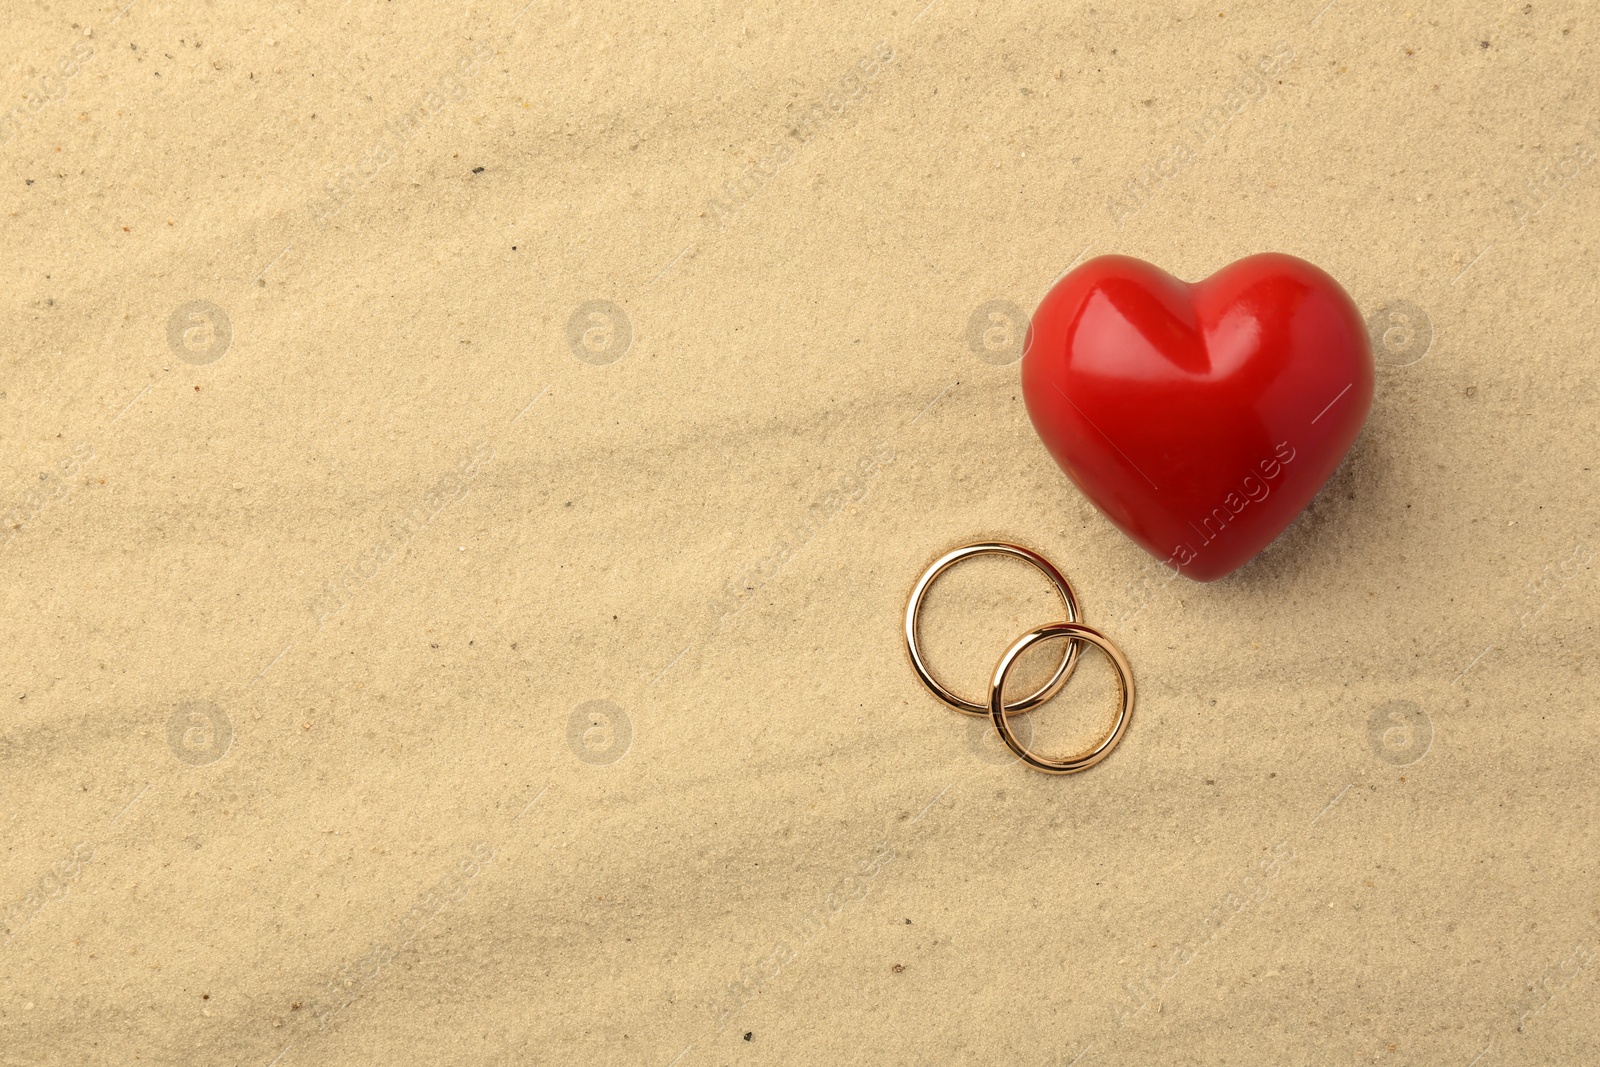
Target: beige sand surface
[[465, 463]]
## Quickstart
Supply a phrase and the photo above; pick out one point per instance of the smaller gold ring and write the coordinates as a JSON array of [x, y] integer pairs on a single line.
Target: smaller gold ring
[[1099, 751], [914, 624]]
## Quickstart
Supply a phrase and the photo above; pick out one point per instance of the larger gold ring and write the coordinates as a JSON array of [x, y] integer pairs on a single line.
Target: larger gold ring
[[1101, 749], [913, 626]]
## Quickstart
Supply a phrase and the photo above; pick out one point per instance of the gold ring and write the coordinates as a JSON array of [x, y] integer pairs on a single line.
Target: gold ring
[[914, 614], [1075, 633]]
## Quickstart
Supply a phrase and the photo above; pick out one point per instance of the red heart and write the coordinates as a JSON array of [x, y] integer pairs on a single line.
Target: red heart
[[1199, 418]]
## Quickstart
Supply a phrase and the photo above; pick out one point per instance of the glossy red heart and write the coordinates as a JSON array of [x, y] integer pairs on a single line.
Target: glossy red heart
[[1199, 418]]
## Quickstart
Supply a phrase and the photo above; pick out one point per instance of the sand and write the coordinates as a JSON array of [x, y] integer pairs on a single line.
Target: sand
[[466, 463]]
